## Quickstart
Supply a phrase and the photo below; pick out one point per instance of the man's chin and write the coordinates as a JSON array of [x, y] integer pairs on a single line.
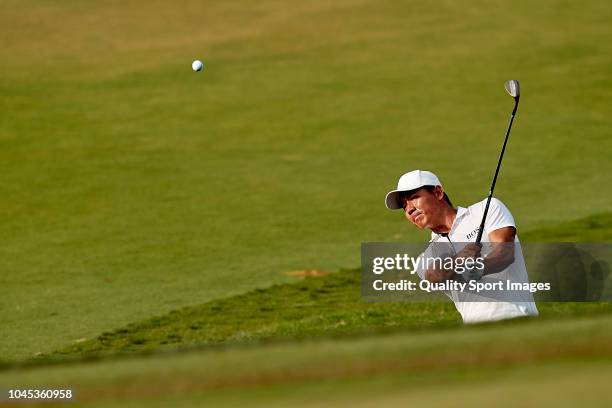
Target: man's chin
[[419, 226]]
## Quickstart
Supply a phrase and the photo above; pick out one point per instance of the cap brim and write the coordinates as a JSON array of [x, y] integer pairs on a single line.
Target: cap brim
[[392, 201]]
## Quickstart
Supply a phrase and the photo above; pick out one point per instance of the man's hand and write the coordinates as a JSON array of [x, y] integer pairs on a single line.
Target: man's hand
[[473, 274], [471, 250]]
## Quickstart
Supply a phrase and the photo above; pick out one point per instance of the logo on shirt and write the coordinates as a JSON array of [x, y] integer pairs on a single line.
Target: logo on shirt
[[472, 234]]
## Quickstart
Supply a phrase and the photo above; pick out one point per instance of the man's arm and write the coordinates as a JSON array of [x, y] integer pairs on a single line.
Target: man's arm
[[500, 257], [502, 253], [439, 275]]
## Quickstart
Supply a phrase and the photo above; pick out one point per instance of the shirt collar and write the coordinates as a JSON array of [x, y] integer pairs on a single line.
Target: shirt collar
[[461, 212]]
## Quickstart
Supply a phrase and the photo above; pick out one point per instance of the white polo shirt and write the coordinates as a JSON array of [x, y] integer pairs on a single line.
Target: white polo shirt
[[475, 308]]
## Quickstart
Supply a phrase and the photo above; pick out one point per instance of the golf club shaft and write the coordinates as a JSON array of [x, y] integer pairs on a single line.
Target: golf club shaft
[[499, 161]]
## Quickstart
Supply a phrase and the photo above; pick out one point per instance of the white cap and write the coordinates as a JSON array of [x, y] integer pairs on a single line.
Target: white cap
[[410, 181]]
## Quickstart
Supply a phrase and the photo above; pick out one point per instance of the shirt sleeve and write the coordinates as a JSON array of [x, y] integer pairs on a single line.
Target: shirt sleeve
[[498, 216]]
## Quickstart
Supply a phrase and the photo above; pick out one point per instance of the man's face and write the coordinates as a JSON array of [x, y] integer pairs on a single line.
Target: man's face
[[423, 207]]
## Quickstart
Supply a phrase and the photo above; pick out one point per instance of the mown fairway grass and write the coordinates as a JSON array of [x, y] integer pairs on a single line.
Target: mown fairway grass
[[132, 187], [317, 306]]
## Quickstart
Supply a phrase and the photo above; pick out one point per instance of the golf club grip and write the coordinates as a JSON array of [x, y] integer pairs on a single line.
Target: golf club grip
[[499, 161]]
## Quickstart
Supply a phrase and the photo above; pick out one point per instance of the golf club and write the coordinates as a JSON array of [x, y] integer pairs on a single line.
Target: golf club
[[512, 87]]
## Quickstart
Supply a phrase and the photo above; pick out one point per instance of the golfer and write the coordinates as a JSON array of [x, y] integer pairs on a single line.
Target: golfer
[[421, 195]]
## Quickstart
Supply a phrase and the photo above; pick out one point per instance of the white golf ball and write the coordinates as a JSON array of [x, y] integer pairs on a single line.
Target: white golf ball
[[197, 65]]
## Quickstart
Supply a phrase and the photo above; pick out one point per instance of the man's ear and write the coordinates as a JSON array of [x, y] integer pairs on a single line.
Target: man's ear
[[438, 193]]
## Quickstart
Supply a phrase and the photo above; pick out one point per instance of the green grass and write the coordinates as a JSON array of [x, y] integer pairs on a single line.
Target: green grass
[[133, 186], [316, 306], [474, 363], [595, 228], [328, 306]]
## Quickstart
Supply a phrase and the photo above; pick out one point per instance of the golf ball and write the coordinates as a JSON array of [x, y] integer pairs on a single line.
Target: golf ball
[[197, 65]]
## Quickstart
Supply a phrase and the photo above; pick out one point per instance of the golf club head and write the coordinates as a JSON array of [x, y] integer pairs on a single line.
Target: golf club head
[[513, 88]]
